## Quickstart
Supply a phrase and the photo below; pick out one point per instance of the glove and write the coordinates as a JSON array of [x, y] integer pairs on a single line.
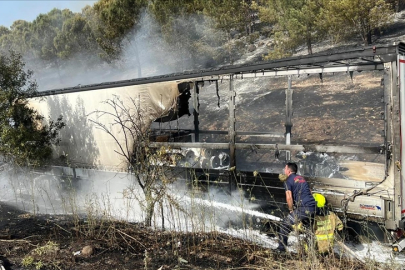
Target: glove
[[282, 177]]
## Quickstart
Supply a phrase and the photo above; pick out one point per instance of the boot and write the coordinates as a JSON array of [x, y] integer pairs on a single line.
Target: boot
[[282, 243], [280, 248]]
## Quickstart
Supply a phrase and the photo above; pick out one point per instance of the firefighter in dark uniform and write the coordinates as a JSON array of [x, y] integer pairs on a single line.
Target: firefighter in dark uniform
[[300, 201]]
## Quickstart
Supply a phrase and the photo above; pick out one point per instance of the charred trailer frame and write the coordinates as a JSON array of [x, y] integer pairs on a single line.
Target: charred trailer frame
[[360, 199], [382, 201]]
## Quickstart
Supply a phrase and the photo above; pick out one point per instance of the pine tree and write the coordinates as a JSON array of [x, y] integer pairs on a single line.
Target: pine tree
[[24, 139], [361, 17]]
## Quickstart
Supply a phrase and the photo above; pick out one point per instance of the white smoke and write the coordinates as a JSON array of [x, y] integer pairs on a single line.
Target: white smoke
[[145, 54]]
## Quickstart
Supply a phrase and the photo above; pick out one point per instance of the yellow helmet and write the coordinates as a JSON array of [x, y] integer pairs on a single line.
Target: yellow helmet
[[320, 200]]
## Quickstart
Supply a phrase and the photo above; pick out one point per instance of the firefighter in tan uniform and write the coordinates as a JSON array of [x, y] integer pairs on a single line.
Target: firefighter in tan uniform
[[325, 224]]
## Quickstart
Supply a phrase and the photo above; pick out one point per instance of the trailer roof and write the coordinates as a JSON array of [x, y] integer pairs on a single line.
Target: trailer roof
[[372, 56]]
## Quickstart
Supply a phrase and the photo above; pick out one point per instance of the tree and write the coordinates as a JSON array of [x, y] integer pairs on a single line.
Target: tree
[[45, 28], [130, 129], [18, 38], [164, 11], [295, 22], [229, 14], [4, 35], [24, 138], [362, 17], [398, 5], [185, 28], [4, 31], [198, 30], [75, 37], [117, 19]]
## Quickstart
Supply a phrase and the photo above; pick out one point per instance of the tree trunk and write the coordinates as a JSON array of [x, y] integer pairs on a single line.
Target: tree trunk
[[58, 69], [309, 43], [162, 213], [138, 61], [400, 5], [368, 38], [229, 48], [150, 207], [136, 52]]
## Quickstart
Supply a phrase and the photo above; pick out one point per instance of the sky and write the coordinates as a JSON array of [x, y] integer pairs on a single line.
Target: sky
[[28, 10]]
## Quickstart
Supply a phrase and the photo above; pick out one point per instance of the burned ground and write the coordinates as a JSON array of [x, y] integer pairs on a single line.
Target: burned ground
[[53, 242]]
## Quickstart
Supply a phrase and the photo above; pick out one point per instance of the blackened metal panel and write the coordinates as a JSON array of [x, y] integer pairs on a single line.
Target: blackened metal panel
[[401, 83], [396, 140], [289, 111]]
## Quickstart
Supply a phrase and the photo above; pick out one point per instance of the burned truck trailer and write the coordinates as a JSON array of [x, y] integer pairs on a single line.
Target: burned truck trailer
[[339, 115]]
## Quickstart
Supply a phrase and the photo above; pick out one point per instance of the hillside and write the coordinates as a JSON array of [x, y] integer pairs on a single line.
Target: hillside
[[394, 32]]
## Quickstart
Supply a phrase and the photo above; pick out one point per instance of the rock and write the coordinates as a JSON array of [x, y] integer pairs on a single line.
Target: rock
[[270, 44], [87, 251], [233, 33], [251, 48], [181, 260]]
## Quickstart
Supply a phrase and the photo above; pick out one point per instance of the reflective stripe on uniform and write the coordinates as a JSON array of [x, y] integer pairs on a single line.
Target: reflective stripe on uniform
[[321, 237]]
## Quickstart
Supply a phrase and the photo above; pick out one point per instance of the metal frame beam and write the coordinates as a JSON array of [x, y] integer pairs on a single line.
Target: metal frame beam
[[303, 148], [232, 123], [375, 57], [196, 112]]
